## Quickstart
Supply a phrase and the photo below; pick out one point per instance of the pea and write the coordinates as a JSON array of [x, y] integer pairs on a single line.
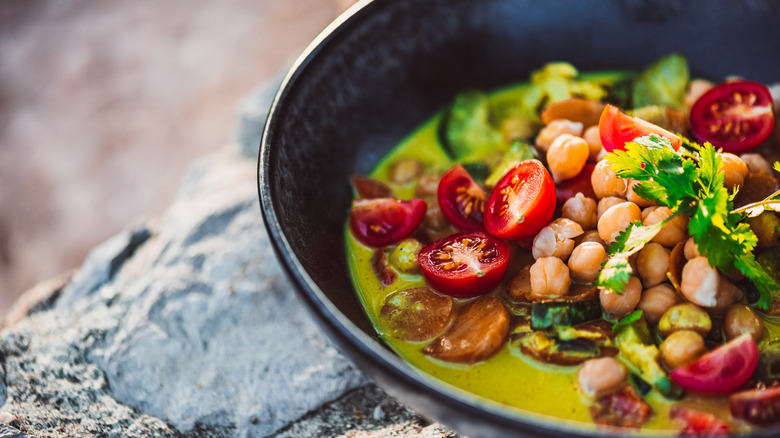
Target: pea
[[404, 256], [685, 317]]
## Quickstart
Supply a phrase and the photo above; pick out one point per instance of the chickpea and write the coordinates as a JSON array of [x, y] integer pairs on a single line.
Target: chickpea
[[700, 282], [646, 212], [404, 256], [740, 319], [764, 226], [593, 138], [685, 316], [756, 163], [616, 219], [585, 261], [427, 186], [605, 203], [633, 197], [690, 250], [601, 376], [673, 232], [681, 348], [582, 210], [435, 225], [735, 170], [618, 306], [653, 264], [549, 278], [555, 128], [590, 236], [727, 295], [695, 91], [555, 240], [405, 171], [605, 182], [566, 157], [656, 301]]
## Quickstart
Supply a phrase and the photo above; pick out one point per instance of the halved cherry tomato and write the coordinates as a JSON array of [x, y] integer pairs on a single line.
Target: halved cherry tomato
[[384, 221], [464, 264], [579, 184], [736, 116], [522, 202], [616, 129], [758, 406], [722, 370], [462, 201], [695, 422]]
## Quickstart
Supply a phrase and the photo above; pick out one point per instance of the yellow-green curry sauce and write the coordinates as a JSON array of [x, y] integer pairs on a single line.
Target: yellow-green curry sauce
[[509, 378]]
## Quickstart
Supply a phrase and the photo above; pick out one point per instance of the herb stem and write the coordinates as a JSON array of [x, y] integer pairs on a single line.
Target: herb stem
[[768, 200]]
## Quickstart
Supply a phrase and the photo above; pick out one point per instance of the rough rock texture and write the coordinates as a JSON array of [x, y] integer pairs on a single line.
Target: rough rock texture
[[186, 326]]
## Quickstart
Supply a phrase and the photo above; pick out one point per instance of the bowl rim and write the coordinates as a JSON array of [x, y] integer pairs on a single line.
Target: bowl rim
[[327, 313]]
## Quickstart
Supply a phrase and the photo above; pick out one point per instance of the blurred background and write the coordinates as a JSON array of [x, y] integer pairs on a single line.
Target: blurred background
[[103, 105]]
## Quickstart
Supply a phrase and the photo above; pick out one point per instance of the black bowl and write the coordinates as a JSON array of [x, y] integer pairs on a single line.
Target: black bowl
[[384, 67]]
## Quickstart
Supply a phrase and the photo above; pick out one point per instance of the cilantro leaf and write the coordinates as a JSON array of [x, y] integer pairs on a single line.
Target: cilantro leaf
[[616, 271], [689, 181], [627, 321]]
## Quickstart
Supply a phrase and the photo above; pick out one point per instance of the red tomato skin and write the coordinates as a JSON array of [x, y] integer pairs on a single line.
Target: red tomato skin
[[579, 184], [697, 423], [756, 125], [616, 129], [466, 282], [540, 190], [722, 370], [757, 406], [457, 183], [382, 222]]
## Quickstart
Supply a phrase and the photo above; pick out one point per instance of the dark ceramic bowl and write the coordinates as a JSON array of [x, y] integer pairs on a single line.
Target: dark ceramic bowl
[[384, 67]]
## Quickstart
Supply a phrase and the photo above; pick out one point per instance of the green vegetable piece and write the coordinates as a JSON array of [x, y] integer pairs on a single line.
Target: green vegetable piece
[[518, 152], [664, 83], [549, 314], [466, 132], [627, 321], [642, 387], [557, 81], [639, 353], [768, 368], [478, 171]]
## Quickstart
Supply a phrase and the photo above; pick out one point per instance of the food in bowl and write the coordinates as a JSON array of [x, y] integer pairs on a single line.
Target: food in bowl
[[587, 246]]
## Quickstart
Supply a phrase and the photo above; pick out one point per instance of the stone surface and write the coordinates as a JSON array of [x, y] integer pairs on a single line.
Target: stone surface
[[187, 326]]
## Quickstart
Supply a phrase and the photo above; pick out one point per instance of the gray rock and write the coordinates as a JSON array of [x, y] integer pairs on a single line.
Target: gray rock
[[252, 115], [187, 326]]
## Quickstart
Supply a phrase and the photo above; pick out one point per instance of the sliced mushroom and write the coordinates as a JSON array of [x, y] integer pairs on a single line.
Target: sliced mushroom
[[477, 333], [369, 188], [677, 262], [416, 314], [570, 345]]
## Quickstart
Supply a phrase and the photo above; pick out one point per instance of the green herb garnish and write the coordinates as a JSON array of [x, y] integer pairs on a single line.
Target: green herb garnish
[[627, 321], [690, 182]]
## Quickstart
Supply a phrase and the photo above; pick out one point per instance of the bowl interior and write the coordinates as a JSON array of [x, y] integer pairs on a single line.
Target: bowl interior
[[390, 65]]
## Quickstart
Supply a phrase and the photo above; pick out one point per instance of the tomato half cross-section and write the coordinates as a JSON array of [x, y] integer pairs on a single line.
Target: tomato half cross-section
[[522, 202], [465, 264], [616, 129], [722, 370], [736, 116], [462, 201], [384, 221]]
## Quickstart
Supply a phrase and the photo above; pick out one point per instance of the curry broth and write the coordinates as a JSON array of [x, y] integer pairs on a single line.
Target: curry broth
[[509, 378]]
